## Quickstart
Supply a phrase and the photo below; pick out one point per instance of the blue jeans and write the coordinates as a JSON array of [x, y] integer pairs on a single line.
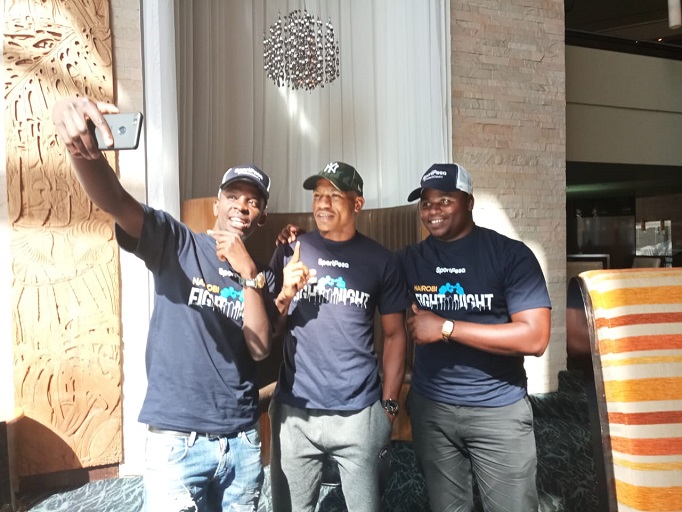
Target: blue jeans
[[203, 473]]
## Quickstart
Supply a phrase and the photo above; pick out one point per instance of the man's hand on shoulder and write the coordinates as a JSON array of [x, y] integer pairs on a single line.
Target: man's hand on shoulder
[[289, 234]]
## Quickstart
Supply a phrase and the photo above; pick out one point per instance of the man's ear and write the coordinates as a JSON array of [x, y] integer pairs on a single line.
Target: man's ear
[[263, 219], [215, 207], [359, 203], [470, 203]]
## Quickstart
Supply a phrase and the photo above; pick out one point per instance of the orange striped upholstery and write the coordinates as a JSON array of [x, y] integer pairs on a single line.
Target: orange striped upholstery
[[635, 318]]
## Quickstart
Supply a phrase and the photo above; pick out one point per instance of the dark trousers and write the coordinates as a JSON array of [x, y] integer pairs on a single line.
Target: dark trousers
[[495, 445]]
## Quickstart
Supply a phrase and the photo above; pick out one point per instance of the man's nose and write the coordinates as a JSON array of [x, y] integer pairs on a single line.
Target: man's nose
[[242, 203]]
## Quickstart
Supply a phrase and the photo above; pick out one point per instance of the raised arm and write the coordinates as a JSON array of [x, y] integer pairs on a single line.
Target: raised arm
[[256, 326], [295, 275], [74, 119]]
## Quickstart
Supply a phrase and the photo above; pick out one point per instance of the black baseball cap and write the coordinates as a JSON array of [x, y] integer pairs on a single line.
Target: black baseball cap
[[446, 178], [343, 176], [250, 174]]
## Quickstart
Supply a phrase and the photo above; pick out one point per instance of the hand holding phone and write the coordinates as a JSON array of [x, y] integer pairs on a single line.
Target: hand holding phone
[[125, 128]]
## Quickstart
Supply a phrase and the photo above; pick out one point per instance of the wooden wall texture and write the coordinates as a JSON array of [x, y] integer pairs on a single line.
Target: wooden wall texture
[[65, 293]]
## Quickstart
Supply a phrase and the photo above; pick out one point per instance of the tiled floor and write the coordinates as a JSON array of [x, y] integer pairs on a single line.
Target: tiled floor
[[566, 474], [114, 495]]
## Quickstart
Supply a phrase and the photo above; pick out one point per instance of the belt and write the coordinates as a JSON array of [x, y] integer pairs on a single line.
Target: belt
[[180, 433]]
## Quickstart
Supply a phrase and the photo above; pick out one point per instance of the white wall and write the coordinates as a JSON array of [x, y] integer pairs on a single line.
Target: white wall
[[150, 174], [135, 286], [623, 108]]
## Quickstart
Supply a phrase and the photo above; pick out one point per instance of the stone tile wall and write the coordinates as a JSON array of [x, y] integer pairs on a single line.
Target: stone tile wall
[[509, 131]]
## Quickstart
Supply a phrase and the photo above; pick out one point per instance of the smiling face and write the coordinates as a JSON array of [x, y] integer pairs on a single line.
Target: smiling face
[[335, 211], [239, 208], [446, 215]]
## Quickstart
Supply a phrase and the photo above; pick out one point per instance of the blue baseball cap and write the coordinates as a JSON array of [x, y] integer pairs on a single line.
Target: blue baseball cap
[[446, 178], [250, 174]]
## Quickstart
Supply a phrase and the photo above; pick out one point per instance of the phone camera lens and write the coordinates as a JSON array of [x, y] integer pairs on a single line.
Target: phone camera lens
[[121, 130]]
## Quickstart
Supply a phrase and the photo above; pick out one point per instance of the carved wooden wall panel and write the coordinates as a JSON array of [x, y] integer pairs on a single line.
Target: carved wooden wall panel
[[66, 285]]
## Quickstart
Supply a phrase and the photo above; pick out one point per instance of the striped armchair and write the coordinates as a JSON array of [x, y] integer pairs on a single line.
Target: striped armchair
[[635, 323]]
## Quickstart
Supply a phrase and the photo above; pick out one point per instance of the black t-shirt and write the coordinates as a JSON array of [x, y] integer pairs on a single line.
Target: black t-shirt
[[484, 278], [329, 357], [200, 375]]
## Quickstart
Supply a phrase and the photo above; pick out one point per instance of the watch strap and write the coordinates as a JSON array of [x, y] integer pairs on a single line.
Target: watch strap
[[257, 282]]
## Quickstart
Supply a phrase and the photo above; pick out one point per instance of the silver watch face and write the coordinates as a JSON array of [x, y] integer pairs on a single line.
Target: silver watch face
[[391, 406]]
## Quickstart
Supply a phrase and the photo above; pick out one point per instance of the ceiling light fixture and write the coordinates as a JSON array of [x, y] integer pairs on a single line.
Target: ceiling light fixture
[[301, 52]]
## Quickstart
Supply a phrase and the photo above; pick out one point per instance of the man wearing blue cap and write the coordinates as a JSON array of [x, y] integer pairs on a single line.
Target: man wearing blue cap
[[330, 399], [211, 322], [480, 306]]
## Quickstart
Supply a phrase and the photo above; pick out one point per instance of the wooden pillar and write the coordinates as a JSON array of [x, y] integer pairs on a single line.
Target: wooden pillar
[[65, 294]]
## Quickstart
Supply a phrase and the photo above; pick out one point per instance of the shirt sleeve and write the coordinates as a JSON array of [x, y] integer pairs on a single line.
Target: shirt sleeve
[[394, 294], [525, 286]]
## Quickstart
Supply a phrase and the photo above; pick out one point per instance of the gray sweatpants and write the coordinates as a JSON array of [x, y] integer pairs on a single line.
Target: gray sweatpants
[[357, 440]]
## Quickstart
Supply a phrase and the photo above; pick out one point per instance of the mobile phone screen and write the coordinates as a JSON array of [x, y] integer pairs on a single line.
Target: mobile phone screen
[[125, 127]]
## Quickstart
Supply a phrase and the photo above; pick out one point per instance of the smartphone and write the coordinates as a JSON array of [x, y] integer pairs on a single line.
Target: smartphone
[[125, 127]]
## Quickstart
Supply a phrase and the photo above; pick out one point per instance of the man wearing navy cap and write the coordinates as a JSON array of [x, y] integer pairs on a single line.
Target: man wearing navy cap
[[330, 399], [480, 306], [212, 320]]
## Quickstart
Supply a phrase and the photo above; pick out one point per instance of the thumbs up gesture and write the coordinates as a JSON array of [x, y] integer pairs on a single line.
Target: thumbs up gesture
[[295, 274], [424, 326]]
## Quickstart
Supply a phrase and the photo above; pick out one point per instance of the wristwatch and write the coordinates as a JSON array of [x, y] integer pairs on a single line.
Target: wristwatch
[[257, 282], [391, 406], [446, 331]]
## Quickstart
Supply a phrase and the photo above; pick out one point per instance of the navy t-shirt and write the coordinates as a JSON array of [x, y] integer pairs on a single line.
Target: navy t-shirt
[[329, 357], [200, 373], [484, 278]]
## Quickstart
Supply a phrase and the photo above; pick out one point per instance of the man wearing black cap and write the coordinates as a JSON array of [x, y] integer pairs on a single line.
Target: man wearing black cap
[[481, 305], [329, 399], [211, 322]]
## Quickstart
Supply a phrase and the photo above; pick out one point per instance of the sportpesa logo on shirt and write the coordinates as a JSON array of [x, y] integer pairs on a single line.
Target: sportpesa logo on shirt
[[332, 263], [445, 270]]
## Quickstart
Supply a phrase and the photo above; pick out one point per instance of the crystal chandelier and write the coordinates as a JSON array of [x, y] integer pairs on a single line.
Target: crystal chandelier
[[301, 52]]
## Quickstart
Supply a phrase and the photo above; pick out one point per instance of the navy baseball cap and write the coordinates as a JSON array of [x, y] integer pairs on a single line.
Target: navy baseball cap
[[343, 176], [446, 178], [250, 174]]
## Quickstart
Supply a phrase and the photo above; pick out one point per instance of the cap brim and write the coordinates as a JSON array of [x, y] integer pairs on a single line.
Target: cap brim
[[311, 182], [415, 194]]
